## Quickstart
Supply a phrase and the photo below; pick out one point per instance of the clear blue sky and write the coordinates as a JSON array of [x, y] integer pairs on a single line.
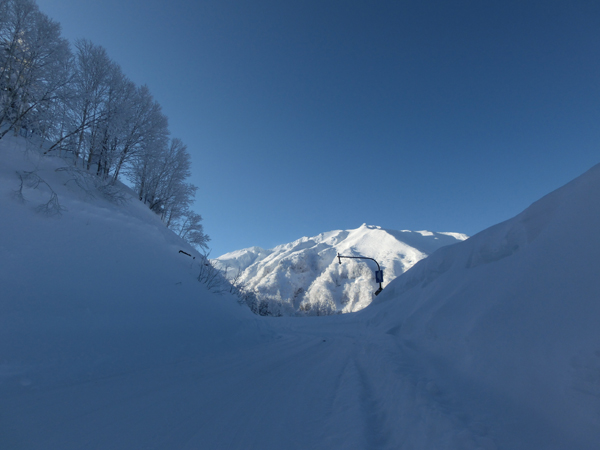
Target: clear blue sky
[[308, 116]]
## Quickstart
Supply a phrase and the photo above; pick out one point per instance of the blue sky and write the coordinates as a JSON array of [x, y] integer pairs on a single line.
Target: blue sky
[[308, 116]]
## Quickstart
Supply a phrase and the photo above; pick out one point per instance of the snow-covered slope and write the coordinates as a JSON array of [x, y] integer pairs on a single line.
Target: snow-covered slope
[[108, 341], [305, 276], [512, 316]]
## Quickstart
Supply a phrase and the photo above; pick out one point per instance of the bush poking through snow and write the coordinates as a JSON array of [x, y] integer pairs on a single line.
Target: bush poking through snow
[[33, 181], [91, 184], [211, 276]]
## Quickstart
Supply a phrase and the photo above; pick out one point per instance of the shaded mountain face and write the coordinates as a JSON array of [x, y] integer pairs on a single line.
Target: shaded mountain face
[[305, 276]]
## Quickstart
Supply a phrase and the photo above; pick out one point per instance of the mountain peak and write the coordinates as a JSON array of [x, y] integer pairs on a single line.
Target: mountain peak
[[305, 277]]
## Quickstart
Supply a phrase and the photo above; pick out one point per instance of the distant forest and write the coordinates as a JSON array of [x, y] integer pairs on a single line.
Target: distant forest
[[79, 105]]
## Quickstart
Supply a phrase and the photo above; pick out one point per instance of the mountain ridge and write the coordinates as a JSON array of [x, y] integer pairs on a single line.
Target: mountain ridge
[[304, 276]]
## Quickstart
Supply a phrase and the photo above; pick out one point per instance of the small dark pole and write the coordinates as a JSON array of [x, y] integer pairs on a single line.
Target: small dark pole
[[185, 253], [378, 274]]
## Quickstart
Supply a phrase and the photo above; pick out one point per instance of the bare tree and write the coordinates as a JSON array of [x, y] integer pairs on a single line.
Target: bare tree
[[83, 104], [89, 88], [146, 129], [190, 229], [32, 180], [159, 177], [34, 63]]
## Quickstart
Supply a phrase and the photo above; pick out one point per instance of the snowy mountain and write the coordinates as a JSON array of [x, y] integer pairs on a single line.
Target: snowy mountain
[[305, 276], [107, 339]]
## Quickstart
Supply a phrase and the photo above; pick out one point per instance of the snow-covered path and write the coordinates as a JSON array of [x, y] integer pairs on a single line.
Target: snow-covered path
[[318, 383], [301, 385], [332, 387]]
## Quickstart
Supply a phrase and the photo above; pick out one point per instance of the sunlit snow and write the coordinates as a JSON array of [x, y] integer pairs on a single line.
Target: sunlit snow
[[305, 277]]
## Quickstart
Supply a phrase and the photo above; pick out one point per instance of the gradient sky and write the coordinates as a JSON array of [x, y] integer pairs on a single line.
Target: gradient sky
[[309, 116]]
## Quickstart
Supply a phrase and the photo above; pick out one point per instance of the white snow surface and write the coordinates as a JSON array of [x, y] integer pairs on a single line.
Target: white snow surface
[[305, 277], [107, 341]]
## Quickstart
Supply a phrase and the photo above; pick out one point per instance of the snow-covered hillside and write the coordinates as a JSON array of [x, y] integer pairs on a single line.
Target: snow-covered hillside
[[512, 316], [305, 276], [107, 340]]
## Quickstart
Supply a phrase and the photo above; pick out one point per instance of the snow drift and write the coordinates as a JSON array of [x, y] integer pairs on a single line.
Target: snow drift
[[513, 314], [304, 277]]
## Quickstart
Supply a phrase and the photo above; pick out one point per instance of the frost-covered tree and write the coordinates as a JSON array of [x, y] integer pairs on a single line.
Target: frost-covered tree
[[111, 135], [91, 83], [107, 120], [145, 129], [34, 64], [84, 105], [83, 101], [189, 228], [160, 179], [159, 176]]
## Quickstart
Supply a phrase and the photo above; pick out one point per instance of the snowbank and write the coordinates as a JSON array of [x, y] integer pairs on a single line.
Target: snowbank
[[512, 314]]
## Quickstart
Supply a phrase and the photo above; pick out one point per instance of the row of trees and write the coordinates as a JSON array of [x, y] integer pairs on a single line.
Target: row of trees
[[82, 106]]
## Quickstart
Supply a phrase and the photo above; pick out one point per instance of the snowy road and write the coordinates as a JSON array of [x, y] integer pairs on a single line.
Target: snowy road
[[304, 384]]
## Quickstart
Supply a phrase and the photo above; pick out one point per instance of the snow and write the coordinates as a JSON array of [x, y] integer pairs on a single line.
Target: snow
[[108, 341], [515, 309], [305, 277]]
